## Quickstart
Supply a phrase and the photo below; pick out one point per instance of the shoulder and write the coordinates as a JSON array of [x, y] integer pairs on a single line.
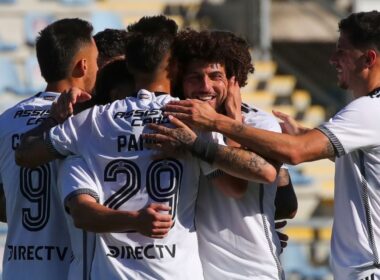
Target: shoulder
[[258, 118]]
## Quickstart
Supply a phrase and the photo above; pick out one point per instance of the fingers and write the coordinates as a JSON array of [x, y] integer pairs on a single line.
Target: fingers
[[280, 224], [282, 116], [177, 122], [160, 207]]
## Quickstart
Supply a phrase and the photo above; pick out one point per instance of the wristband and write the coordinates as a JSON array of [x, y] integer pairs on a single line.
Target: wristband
[[205, 150]]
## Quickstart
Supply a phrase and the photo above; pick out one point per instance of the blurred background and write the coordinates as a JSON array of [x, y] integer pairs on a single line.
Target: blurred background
[[291, 43]]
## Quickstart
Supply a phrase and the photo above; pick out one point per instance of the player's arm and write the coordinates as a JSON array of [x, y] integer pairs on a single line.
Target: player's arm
[[35, 148], [234, 161], [89, 215], [286, 200], [3, 212], [293, 149]]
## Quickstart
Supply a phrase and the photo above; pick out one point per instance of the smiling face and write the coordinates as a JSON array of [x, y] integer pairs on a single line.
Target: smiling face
[[206, 82], [349, 63]]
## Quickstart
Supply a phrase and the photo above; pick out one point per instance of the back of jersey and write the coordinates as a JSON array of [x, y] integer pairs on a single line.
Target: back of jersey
[[37, 245], [131, 176]]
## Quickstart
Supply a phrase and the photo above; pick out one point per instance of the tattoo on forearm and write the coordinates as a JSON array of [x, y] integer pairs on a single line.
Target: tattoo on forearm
[[329, 150], [233, 157], [238, 128]]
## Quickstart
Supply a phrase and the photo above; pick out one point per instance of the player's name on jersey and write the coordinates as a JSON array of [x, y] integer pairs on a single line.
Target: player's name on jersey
[[131, 142], [34, 116], [151, 251], [37, 253], [142, 117]]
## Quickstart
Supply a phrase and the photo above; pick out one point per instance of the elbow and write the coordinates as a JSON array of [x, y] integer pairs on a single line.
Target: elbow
[[20, 159], [23, 160]]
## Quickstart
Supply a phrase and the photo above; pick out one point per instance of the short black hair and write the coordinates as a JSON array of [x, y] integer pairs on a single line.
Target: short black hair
[[362, 29], [110, 43], [150, 39], [110, 77], [57, 45]]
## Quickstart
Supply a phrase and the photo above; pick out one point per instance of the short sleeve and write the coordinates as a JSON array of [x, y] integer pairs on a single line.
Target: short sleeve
[[64, 138], [74, 178], [354, 127]]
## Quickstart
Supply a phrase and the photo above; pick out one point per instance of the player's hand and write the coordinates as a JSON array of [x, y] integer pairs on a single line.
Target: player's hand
[[289, 125], [152, 223], [64, 106], [193, 112], [233, 101], [179, 136], [282, 236]]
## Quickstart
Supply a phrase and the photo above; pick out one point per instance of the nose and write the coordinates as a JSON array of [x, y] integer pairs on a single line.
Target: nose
[[206, 83]]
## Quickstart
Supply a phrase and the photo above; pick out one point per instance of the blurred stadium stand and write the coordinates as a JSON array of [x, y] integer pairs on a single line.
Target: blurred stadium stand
[[292, 75]]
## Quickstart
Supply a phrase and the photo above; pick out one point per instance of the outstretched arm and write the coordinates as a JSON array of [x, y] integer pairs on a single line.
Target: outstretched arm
[[291, 149], [234, 161]]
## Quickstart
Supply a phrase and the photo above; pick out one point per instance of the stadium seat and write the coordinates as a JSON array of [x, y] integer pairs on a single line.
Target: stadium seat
[[264, 70], [295, 262], [76, 2], [301, 100], [34, 22], [103, 20], [260, 99], [282, 85], [7, 1], [33, 80], [7, 46], [10, 80], [314, 115]]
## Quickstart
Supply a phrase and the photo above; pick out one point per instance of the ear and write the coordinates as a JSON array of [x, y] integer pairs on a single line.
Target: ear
[[80, 68], [371, 58]]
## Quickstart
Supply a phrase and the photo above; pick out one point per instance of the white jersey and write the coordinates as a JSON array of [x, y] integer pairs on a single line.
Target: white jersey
[[74, 179], [131, 177], [37, 244], [355, 134], [237, 238]]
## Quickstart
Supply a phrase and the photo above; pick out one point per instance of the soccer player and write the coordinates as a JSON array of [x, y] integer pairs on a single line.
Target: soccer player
[[133, 177], [111, 45], [352, 137], [38, 244], [210, 67]]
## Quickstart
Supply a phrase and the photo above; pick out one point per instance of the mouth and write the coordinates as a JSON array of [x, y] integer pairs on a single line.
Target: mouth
[[205, 97]]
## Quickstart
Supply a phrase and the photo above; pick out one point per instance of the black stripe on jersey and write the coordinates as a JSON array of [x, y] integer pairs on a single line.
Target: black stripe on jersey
[[366, 204], [245, 108], [280, 270], [371, 277]]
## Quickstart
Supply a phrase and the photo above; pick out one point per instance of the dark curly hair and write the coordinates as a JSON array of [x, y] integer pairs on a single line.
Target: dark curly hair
[[110, 43], [214, 47], [150, 39], [362, 29]]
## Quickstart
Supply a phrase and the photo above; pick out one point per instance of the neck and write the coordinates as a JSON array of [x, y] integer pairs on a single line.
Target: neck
[[153, 85], [60, 86]]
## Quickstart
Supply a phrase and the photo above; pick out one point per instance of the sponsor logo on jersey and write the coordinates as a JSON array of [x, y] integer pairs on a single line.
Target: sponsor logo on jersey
[[37, 253], [142, 117], [34, 116], [150, 251]]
